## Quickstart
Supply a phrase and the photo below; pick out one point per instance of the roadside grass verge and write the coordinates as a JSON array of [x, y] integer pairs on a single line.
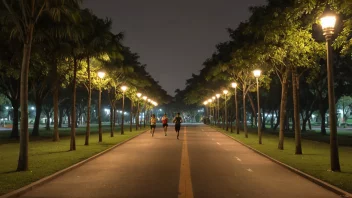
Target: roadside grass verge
[[47, 157], [315, 160]]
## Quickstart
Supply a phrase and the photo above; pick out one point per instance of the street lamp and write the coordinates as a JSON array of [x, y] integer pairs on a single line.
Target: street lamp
[[123, 88], [139, 95], [225, 93], [101, 75], [234, 85], [218, 113], [328, 21], [257, 74]]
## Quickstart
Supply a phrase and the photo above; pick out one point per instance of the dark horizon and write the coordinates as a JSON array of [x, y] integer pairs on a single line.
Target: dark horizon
[[173, 38]]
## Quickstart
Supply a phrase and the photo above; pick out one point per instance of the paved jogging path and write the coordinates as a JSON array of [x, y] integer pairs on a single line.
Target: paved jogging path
[[203, 163]]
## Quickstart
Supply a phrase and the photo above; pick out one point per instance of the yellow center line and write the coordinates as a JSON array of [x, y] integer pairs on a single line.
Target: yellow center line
[[185, 189]]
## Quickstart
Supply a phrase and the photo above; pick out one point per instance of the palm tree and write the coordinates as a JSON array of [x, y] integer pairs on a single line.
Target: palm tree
[[25, 15]]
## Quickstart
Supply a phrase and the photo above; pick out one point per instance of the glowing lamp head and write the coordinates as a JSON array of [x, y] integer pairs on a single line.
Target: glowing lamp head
[[210, 100], [205, 103], [234, 85], [225, 92], [213, 97], [149, 100], [257, 73], [124, 88], [101, 74], [217, 95], [139, 95], [144, 97], [328, 24]]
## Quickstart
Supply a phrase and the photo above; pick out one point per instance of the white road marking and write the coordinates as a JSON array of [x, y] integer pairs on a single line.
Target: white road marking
[[238, 159], [218, 143], [249, 170]]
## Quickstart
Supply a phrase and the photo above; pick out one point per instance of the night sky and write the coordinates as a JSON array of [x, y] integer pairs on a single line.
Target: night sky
[[175, 37]]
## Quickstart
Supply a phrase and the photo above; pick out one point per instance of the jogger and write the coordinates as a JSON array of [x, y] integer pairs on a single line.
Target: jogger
[[177, 120], [152, 124], [164, 120]]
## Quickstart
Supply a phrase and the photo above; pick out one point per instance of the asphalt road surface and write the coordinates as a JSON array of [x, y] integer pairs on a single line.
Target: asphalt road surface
[[203, 163]]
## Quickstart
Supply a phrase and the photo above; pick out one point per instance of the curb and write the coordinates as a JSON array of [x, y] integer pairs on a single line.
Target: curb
[[23, 190], [317, 181]]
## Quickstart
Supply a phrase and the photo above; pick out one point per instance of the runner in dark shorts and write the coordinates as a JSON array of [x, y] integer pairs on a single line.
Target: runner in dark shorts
[[152, 124], [177, 120], [164, 120]]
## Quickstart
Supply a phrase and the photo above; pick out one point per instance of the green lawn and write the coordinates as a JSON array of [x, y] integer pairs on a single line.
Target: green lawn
[[315, 159], [47, 157]]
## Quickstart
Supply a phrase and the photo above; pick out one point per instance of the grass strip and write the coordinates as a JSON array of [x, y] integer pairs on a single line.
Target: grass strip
[[47, 157]]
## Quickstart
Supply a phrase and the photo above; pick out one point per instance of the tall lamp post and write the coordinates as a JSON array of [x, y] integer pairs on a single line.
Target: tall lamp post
[[226, 121], [145, 108], [138, 126], [234, 85], [257, 74], [328, 21], [123, 88], [218, 113], [101, 75]]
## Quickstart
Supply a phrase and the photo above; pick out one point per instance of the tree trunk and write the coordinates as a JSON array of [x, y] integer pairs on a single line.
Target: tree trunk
[[287, 121], [47, 124], [61, 115], [295, 88], [111, 121], [15, 131], [322, 112], [73, 108], [68, 119], [137, 117], [131, 117], [304, 125], [277, 121], [263, 119], [115, 116], [99, 116], [244, 111], [254, 112], [38, 112], [56, 105], [24, 135], [309, 124], [231, 121], [272, 120], [284, 88], [86, 142], [237, 115]]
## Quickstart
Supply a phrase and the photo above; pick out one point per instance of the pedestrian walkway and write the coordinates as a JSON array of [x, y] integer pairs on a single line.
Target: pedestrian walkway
[[203, 163]]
